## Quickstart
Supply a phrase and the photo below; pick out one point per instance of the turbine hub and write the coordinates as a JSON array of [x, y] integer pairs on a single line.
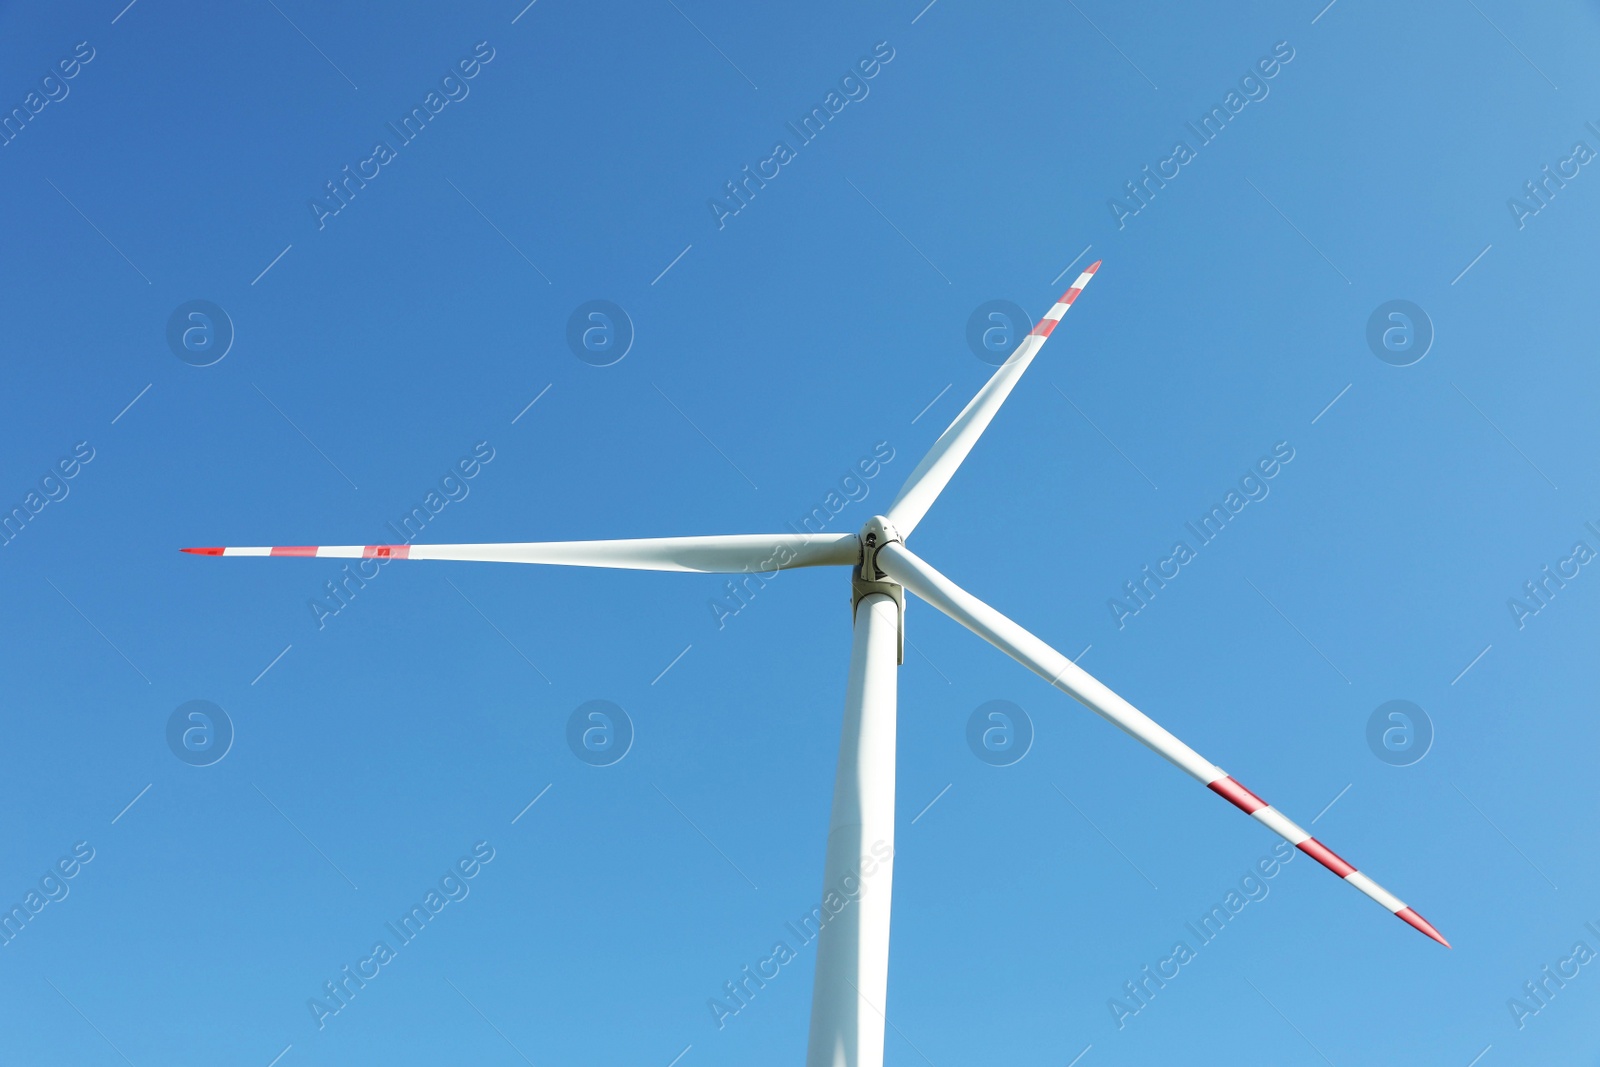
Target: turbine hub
[[868, 578], [877, 532]]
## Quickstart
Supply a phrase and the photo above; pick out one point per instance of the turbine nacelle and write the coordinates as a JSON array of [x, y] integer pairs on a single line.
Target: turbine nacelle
[[869, 578]]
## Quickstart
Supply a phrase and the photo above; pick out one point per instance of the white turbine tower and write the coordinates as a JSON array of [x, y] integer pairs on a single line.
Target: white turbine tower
[[849, 996]]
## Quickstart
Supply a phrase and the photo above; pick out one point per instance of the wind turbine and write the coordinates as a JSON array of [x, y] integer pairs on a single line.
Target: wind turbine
[[852, 973]]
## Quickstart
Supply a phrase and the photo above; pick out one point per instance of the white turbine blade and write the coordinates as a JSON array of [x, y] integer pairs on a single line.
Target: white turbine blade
[[930, 477], [905, 567], [725, 554]]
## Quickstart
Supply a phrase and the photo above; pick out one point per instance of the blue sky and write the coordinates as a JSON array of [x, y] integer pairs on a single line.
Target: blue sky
[[376, 348]]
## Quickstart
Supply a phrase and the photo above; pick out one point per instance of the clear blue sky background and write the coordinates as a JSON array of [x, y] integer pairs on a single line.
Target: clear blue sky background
[[822, 319]]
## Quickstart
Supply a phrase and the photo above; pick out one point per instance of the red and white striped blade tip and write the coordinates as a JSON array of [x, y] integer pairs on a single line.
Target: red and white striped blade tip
[[1087, 272], [1422, 924], [1226, 786], [310, 551]]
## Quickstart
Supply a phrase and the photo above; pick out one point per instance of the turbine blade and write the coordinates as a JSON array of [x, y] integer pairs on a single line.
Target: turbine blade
[[726, 554], [930, 477], [915, 574]]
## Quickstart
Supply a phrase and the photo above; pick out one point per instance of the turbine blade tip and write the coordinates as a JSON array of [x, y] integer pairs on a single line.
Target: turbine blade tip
[[1093, 266], [1409, 916], [202, 551]]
